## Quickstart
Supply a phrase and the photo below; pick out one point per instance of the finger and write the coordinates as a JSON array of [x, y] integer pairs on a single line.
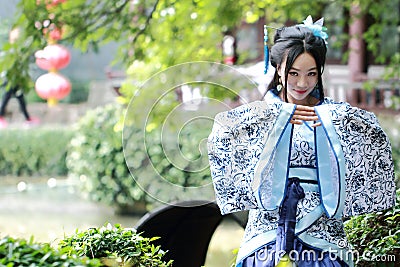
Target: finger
[[292, 121], [316, 124], [305, 118], [305, 113], [304, 108]]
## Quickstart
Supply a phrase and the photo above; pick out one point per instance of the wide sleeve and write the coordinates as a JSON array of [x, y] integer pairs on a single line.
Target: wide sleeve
[[234, 147], [370, 185]]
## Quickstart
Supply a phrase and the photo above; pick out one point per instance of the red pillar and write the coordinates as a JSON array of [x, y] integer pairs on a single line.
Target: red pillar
[[357, 54]]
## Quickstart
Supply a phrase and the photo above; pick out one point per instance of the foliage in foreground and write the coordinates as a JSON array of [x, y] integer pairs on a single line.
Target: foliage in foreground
[[20, 252], [376, 236], [116, 244], [105, 246]]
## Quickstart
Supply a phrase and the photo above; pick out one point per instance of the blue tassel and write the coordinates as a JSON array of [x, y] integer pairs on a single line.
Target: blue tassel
[[266, 51]]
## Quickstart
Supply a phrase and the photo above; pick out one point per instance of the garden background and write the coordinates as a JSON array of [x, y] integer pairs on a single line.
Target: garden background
[[69, 172]]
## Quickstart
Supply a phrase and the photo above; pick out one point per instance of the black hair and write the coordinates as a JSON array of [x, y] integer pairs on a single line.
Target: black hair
[[289, 43]]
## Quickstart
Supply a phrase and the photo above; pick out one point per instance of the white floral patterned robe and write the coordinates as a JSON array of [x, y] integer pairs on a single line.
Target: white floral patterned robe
[[253, 149]]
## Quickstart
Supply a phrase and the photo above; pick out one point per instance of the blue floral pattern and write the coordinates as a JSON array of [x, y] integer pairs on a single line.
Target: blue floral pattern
[[261, 221], [234, 146], [303, 151], [370, 183], [307, 204], [329, 229], [237, 141]]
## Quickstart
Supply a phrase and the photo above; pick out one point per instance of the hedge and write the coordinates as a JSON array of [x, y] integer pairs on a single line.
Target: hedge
[[39, 151], [96, 158]]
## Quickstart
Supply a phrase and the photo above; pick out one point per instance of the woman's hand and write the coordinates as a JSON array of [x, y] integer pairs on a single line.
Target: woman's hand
[[305, 113]]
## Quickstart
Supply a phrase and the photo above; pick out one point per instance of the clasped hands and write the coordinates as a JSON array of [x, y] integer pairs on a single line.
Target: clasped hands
[[305, 113]]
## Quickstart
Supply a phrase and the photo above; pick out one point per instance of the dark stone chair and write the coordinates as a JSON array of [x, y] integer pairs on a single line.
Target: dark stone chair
[[185, 230]]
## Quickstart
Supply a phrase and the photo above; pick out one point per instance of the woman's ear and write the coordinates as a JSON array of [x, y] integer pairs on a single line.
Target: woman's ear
[[280, 71]]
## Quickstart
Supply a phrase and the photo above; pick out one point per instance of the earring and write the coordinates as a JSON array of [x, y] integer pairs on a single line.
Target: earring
[[280, 86], [316, 91]]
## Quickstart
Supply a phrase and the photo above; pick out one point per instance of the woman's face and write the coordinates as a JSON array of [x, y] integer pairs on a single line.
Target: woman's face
[[301, 81]]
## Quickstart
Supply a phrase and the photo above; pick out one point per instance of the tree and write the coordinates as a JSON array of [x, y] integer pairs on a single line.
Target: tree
[[167, 32], [163, 33]]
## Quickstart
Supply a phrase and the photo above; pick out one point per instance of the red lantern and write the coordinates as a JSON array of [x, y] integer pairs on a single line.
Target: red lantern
[[53, 87], [53, 57], [50, 3], [56, 2], [53, 33]]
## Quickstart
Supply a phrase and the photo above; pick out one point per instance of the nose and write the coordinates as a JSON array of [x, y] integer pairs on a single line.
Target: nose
[[302, 81]]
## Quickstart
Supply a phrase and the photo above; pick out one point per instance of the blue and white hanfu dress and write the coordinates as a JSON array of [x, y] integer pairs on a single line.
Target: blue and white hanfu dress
[[299, 182]]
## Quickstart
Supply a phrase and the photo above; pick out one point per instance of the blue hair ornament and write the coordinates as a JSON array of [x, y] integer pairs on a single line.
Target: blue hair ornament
[[266, 51], [317, 27]]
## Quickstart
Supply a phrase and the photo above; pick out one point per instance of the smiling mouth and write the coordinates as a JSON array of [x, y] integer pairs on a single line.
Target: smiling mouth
[[301, 91]]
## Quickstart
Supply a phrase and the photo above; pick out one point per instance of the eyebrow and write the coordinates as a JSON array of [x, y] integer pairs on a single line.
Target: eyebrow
[[314, 68]]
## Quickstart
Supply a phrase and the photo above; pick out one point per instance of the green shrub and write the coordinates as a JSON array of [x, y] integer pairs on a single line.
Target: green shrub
[[169, 161], [95, 158], [20, 252], [376, 236], [34, 152], [115, 245], [391, 125], [105, 246]]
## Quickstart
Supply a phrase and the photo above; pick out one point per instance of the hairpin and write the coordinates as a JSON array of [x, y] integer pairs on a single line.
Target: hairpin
[[266, 51]]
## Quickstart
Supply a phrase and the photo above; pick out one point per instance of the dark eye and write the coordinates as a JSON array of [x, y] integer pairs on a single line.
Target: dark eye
[[312, 74], [293, 73]]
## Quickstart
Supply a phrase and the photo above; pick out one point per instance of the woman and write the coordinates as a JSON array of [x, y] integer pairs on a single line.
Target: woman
[[299, 162]]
